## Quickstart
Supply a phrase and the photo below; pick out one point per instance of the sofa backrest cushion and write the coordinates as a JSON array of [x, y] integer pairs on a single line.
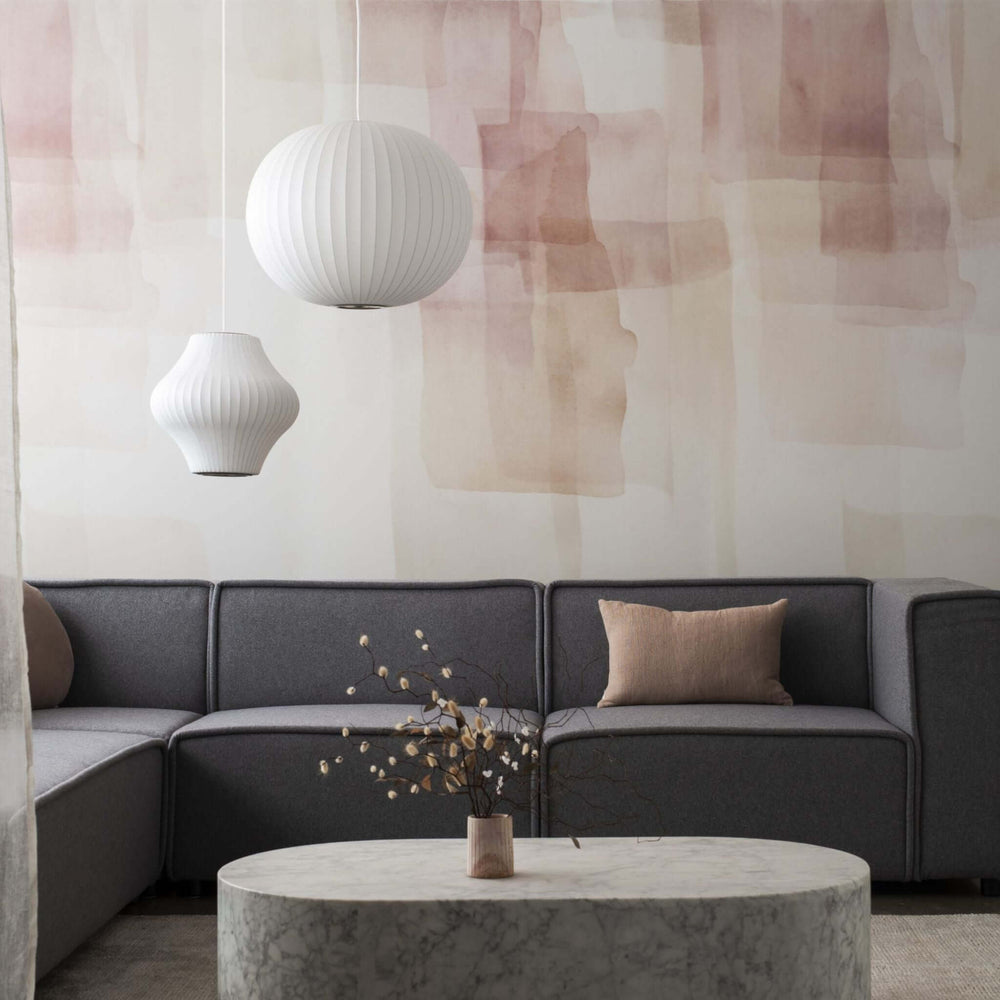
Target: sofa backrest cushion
[[136, 643], [824, 642], [296, 643]]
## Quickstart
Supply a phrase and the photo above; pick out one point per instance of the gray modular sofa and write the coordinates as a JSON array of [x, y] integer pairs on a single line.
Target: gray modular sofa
[[199, 712]]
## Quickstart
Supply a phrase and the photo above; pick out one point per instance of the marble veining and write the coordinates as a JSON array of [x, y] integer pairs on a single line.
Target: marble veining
[[685, 918]]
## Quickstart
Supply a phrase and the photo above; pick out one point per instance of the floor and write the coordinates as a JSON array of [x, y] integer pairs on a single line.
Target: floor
[[956, 896]]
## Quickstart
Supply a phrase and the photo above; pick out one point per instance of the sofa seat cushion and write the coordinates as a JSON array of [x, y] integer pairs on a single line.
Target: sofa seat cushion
[[359, 718], [837, 777], [99, 810], [158, 723], [248, 780], [736, 719], [63, 758]]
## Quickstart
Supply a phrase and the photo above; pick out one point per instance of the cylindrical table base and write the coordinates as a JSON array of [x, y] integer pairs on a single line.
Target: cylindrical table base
[[811, 945]]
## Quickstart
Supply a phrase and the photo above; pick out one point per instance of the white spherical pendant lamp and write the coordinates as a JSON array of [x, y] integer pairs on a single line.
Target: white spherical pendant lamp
[[224, 404], [359, 215]]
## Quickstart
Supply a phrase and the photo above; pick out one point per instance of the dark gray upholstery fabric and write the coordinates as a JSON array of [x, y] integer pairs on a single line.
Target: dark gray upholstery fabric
[[936, 659], [99, 831], [248, 780], [136, 644], [824, 643], [156, 722], [847, 791], [297, 643]]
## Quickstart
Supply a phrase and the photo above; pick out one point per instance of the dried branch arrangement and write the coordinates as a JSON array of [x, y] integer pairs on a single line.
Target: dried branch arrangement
[[479, 752], [462, 741]]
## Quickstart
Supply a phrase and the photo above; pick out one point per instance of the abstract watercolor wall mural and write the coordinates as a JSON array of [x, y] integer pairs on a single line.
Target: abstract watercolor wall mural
[[732, 304]]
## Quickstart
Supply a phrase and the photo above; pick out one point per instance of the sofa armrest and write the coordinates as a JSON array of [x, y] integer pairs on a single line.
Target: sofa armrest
[[936, 675]]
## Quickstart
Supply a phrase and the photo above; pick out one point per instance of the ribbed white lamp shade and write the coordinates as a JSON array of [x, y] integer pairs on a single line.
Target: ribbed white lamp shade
[[359, 215], [224, 404]]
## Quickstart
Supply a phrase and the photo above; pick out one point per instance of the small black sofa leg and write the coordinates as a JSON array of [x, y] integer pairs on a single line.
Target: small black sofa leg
[[990, 886], [193, 889]]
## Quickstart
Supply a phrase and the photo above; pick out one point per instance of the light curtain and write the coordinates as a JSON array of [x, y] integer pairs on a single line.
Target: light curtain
[[17, 814]]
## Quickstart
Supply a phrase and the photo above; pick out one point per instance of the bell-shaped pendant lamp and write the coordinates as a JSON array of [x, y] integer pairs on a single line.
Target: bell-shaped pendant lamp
[[224, 404], [360, 214]]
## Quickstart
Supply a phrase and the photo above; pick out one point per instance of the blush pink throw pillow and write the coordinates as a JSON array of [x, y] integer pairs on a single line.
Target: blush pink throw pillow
[[660, 657]]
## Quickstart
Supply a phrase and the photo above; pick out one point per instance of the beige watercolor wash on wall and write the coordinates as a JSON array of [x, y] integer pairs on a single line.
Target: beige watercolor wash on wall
[[730, 304]]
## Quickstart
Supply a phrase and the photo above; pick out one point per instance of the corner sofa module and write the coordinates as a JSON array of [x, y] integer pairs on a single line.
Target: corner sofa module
[[891, 750], [140, 650], [98, 806]]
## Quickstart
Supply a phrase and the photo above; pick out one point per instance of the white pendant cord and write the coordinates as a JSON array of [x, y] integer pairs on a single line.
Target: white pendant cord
[[223, 60], [357, 60]]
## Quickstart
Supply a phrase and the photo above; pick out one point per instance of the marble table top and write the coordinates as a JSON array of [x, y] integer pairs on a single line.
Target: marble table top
[[620, 868]]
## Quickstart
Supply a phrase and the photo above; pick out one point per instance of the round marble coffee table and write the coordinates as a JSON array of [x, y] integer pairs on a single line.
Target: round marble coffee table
[[678, 918]]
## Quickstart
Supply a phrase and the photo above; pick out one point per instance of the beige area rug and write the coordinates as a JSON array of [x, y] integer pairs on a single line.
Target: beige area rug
[[949, 957], [936, 957]]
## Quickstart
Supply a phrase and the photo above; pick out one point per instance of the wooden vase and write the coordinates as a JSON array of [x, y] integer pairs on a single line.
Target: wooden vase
[[491, 847]]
